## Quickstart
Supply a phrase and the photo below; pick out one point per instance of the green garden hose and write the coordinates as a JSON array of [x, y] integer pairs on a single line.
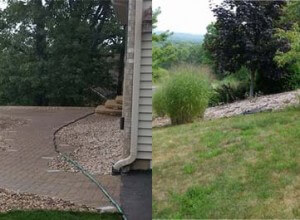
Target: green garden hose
[[84, 171]]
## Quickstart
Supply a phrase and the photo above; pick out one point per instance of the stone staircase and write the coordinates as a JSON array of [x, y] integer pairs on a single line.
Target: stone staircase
[[111, 107]]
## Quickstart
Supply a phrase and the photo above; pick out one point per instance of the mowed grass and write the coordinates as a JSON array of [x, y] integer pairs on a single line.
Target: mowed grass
[[240, 167], [56, 215]]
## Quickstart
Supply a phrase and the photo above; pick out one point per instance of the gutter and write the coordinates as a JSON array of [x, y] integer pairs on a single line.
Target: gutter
[[119, 166]]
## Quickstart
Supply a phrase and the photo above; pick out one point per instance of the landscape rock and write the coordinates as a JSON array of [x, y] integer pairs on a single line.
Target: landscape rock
[[95, 142], [10, 200]]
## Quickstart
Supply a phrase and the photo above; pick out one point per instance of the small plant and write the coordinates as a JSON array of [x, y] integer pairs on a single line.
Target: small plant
[[232, 88], [159, 103], [186, 96], [230, 92]]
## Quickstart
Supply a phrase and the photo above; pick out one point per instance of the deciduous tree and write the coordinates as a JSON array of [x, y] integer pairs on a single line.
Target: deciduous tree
[[245, 37], [290, 57], [53, 51]]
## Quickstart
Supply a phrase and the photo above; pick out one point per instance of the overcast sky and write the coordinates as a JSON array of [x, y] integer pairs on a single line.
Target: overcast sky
[[187, 16]]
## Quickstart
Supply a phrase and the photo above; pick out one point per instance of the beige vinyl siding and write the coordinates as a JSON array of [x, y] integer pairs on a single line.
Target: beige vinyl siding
[[145, 96], [145, 109], [146, 92], [147, 53], [146, 76], [147, 68]]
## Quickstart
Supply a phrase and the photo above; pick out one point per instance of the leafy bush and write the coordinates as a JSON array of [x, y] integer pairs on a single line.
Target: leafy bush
[[186, 96], [159, 103], [214, 99], [289, 57], [292, 80], [232, 88], [229, 92], [243, 74], [159, 74]]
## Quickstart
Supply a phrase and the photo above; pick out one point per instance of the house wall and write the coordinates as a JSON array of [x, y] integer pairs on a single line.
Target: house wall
[[145, 91], [137, 88]]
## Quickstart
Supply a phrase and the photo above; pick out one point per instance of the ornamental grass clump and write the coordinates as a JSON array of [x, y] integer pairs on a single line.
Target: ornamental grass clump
[[159, 103], [186, 96]]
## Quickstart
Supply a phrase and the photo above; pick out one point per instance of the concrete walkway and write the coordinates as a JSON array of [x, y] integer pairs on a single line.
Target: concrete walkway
[[25, 169]]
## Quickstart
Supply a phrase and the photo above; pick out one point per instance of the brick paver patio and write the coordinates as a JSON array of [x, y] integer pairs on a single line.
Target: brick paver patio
[[26, 169]]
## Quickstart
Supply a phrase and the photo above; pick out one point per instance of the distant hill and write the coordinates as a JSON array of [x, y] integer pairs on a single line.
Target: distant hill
[[185, 37]]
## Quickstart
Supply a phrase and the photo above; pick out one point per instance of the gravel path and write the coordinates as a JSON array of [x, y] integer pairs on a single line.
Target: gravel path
[[7, 124], [95, 142], [259, 104], [10, 200]]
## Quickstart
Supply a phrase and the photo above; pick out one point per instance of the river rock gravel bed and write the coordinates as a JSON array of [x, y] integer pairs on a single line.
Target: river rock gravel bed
[[259, 104], [10, 200], [95, 142]]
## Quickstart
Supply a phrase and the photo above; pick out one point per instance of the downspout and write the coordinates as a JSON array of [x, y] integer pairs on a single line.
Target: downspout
[[135, 88]]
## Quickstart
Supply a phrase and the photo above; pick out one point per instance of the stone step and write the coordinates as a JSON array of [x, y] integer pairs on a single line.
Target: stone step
[[119, 99], [112, 104], [101, 109]]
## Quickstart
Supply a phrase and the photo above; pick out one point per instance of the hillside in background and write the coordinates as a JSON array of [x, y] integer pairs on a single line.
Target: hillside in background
[[185, 37]]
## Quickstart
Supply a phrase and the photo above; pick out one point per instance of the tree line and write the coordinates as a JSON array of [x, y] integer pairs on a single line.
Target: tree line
[[259, 37], [53, 52]]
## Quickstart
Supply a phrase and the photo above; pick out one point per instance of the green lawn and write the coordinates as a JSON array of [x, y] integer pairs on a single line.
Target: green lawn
[[56, 215], [240, 167]]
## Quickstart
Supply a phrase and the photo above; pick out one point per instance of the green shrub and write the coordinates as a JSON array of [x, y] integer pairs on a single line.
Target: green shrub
[[158, 102], [229, 92], [232, 88], [186, 96], [214, 99], [292, 80], [243, 74], [159, 74]]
